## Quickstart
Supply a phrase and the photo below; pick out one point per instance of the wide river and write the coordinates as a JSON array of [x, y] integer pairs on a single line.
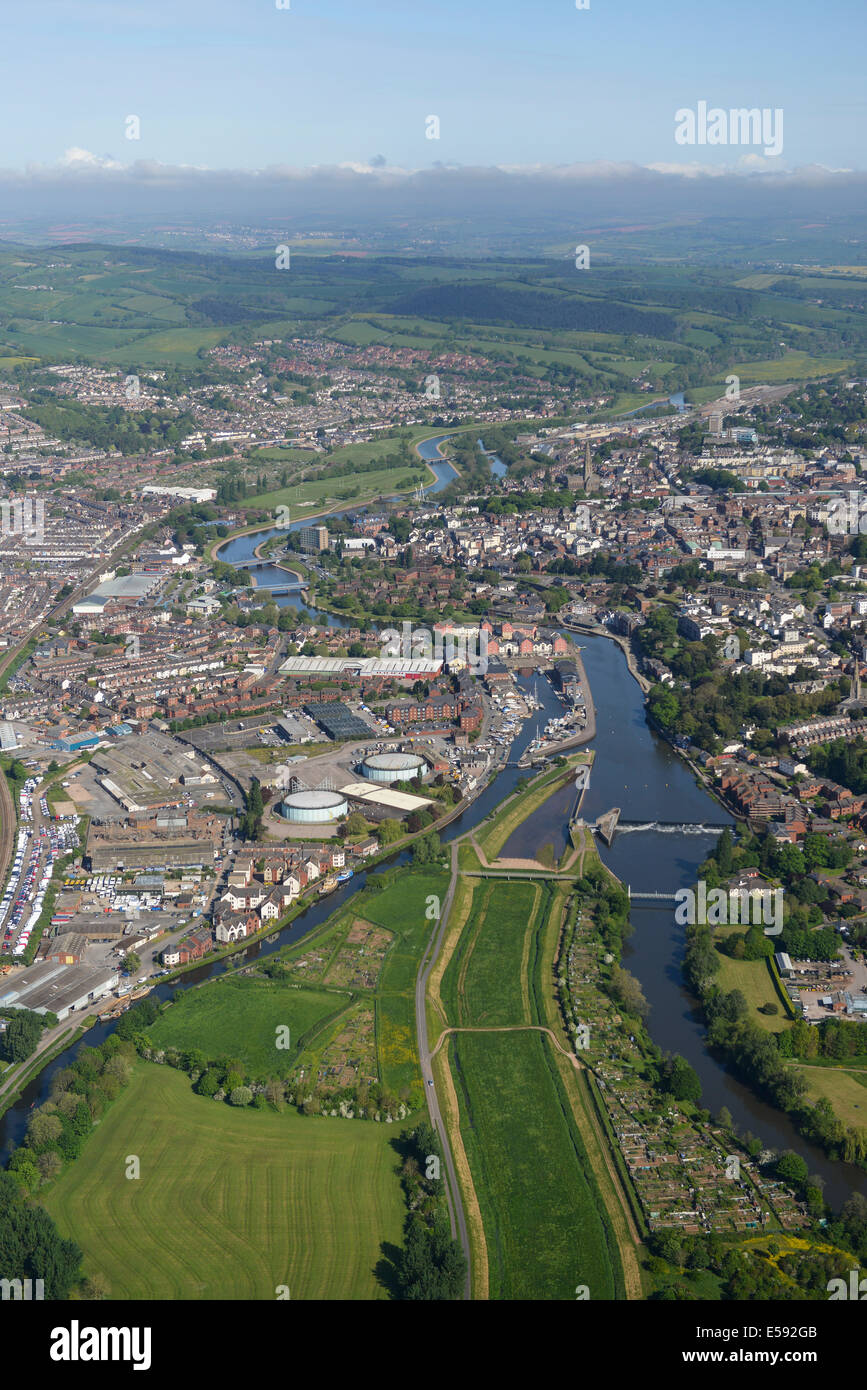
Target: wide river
[[639, 773]]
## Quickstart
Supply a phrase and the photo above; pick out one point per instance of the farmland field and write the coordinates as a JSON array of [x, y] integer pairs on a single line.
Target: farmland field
[[546, 1229], [230, 1203]]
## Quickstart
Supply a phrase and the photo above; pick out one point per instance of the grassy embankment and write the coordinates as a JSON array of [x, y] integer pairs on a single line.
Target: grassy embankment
[[526, 1170]]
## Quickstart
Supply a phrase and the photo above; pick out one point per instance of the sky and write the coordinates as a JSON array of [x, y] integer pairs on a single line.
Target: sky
[[245, 85]]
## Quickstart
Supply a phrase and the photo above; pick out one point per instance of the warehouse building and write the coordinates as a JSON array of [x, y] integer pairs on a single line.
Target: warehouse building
[[384, 798], [337, 720], [69, 949], [61, 989]]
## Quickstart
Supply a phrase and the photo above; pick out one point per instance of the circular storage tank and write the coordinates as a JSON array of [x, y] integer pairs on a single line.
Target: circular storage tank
[[313, 806], [393, 767]]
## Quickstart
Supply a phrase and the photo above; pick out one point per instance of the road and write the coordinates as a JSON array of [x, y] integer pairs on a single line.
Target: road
[[453, 1191]]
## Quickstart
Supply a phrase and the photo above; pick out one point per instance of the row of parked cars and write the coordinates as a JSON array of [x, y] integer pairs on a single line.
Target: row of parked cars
[[25, 892]]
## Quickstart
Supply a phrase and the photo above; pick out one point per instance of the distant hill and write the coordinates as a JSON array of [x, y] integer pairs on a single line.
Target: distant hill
[[532, 309]]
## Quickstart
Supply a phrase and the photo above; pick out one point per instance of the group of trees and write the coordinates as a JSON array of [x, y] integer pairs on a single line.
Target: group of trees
[[427, 849], [250, 823], [803, 936], [715, 709], [432, 1266], [835, 1038], [79, 1096], [19, 1039], [842, 762], [113, 427], [31, 1246]]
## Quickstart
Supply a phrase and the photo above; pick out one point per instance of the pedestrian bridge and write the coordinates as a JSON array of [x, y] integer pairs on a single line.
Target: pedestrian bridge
[[636, 896]]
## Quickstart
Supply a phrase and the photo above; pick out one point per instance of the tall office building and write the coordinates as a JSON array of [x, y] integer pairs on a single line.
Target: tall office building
[[313, 538]]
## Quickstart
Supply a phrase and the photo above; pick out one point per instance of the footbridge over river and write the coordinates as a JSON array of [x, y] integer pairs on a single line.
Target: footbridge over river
[[649, 899]]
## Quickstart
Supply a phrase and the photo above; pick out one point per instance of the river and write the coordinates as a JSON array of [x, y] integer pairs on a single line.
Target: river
[[641, 774], [234, 552]]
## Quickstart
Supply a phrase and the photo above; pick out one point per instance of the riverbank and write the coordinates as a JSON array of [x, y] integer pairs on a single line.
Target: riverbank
[[338, 507], [625, 646]]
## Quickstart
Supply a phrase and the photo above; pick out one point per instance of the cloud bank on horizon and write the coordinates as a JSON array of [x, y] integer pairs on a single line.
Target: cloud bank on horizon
[[84, 194], [82, 162]]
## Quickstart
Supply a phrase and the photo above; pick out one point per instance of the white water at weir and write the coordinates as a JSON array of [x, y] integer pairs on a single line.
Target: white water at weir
[[663, 829]]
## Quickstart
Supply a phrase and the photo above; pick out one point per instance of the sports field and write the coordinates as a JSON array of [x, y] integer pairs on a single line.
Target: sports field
[[230, 1203]]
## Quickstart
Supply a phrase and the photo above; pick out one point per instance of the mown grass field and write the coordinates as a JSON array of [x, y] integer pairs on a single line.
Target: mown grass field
[[846, 1090], [240, 1017], [753, 979], [230, 1203], [545, 1226], [485, 984]]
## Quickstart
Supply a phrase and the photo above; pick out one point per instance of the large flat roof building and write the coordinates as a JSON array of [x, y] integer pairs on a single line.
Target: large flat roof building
[[56, 988]]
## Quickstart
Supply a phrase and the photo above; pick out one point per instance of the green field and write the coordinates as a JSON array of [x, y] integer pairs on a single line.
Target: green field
[[354, 488], [239, 1018], [753, 979], [545, 1226], [230, 1203], [846, 1090], [401, 909], [149, 307], [485, 982]]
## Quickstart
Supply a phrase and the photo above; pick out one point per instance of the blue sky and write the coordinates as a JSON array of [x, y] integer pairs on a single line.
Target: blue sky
[[240, 84]]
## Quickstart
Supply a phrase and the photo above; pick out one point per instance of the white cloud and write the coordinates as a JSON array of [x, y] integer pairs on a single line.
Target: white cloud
[[76, 158]]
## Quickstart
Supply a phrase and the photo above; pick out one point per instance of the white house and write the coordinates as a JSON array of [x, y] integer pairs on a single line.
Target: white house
[[231, 931]]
